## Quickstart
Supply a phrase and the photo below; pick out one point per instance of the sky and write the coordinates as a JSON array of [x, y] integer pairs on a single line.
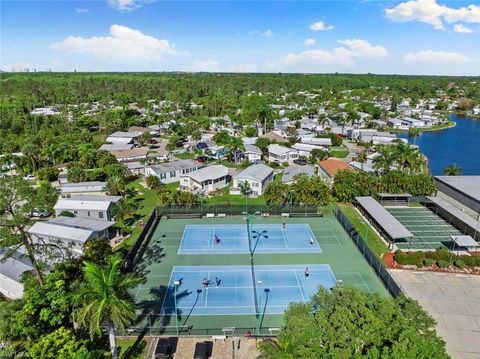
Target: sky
[[431, 37]]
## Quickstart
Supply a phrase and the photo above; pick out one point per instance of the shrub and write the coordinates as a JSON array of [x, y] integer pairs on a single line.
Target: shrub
[[428, 262], [441, 254], [470, 261], [443, 264], [411, 258], [47, 174], [459, 263]]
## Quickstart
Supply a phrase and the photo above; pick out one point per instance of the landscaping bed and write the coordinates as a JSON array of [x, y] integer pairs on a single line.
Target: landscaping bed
[[441, 260]]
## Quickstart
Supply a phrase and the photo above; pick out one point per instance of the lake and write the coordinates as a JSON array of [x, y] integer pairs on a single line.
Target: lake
[[459, 144]]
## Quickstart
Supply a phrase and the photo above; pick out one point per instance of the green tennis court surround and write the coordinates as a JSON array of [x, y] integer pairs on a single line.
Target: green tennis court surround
[[156, 297]]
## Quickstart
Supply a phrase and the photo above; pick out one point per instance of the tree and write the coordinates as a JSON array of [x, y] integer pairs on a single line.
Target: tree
[[452, 170], [10, 161], [276, 193], [152, 182], [97, 250], [312, 190], [263, 143], [104, 298], [351, 323], [236, 145], [124, 208], [115, 186], [385, 159], [61, 343], [222, 138], [17, 199], [47, 174]]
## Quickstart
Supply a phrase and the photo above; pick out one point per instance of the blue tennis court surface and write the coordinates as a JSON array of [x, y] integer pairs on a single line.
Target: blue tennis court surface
[[233, 239], [277, 286]]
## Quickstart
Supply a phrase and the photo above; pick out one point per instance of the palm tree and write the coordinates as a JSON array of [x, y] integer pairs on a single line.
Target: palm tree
[[452, 170], [124, 208], [115, 186], [404, 155], [385, 159], [236, 144], [245, 191], [104, 299]]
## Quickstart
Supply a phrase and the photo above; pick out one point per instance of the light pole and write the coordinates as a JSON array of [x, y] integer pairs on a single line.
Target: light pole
[[260, 316], [250, 217], [175, 285]]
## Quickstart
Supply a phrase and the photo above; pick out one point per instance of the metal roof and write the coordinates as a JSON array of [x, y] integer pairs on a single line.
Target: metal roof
[[454, 211], [14, 266], [255, 172], [465, 241], [468, 185], [174, 166], [387, 221], [81, 222], [52, 230], [292, 171], [208, 173], [86, 202]]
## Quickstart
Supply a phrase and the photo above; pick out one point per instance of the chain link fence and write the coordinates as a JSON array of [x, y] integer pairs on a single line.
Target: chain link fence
[[367, 253]]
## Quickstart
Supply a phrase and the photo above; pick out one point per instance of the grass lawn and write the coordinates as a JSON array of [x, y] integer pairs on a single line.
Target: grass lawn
[[130, 348], [227, 198], [186, 156], [148, 201], [339, 152], [172, 186], [374, 242]]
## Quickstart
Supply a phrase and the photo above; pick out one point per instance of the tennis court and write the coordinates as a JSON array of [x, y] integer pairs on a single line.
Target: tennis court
[[233, 238], [276, 287], [429, 230], [205, 311]]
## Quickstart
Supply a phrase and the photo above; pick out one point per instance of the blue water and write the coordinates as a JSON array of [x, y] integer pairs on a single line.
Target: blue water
[[459, 144]]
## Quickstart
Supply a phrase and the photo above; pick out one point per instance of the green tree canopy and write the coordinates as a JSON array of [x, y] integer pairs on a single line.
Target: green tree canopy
[[350, 323]]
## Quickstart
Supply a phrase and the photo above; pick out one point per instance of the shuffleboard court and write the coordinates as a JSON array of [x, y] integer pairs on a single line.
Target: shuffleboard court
[[233, 238], [277, 286]]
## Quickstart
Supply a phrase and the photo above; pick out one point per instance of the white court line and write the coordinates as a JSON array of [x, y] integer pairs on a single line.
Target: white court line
[[284, 238], [299, 286]]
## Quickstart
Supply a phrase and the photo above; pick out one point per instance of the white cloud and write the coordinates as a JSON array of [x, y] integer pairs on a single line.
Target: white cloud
[[363, 48], [268, 33], [81, 10], [243, 68], [462, 29], [123, 45], [125, 5], [314, 60], [320, 26], [309, 42], [431, 57], [430, 12], [206, 66]]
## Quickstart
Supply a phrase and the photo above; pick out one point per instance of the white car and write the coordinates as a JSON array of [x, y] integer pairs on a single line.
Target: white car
[[29, 178], [39, 213]]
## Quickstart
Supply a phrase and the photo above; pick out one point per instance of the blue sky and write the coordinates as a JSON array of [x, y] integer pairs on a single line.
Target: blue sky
[[405, 37]]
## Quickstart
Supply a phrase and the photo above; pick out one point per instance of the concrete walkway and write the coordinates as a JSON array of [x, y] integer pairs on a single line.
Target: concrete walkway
[[453, 300]]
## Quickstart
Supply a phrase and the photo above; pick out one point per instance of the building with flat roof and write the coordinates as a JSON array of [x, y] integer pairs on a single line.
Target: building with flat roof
[[171, 171], [462, 191], [93, 187], [290, 172], [89, 206]]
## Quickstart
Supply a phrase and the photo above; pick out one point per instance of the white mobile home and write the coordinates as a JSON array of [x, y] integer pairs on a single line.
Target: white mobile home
[[171, 171], [257, 176], [88, 206], [280, 154], [206, 179]]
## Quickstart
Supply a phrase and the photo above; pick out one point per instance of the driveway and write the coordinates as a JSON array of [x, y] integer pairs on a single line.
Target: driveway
[[453, 300]]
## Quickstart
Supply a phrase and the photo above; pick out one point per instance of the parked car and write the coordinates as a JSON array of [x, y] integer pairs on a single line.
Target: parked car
[[202, 159], [153, 141], [300, 162], [29, 178], [38, 213]]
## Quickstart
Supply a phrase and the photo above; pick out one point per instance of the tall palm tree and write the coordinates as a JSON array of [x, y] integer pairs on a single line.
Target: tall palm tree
[[405, 155], [236, 144], [385, 159], [452, 170], [104, 299], [245, 191], [115, 186]]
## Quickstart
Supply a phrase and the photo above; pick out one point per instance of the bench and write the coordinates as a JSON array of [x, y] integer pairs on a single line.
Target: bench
[[272, 330], [265, 214], [221, 215], [285, 214], [219, 337], [210, 215]]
